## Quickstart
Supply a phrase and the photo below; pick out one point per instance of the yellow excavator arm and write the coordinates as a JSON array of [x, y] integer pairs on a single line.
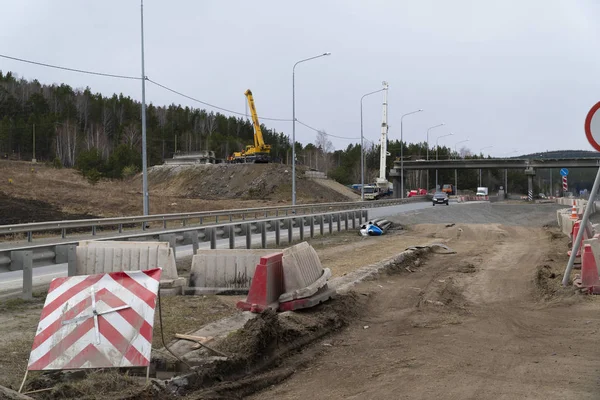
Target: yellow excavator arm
[[258, 137]]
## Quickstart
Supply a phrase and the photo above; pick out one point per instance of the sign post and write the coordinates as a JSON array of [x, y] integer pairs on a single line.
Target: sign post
[[592, 133], [564, 172]]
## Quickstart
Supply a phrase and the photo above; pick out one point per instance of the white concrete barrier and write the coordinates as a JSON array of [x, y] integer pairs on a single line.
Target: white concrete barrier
[[221, 271], [98, 257], [303, 274]]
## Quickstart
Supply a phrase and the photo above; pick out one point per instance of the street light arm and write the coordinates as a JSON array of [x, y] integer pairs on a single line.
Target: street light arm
[[368, 94], [412, 112], [308, 59]]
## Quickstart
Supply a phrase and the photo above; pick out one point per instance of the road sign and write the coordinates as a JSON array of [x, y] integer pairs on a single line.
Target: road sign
[[592, 126], [97, 321], [564, 172]]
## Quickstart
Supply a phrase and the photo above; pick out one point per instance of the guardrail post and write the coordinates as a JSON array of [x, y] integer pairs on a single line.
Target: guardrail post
[[120, 228], [230, 217], [338, 219], [212, 232], [301, 226], [169, 237], [191, 237], [311, 223], [346, 220], [29, 236], [184, 222], [248, 236], [263, 235], [67, 253], [231, 237], [216, 219], [94, 230], [63, 233], [290, 224], [277, 232], [353, 219], [27, 260], [201, 220], [321, 222], [164, 224], [360, 218], [366, 215]]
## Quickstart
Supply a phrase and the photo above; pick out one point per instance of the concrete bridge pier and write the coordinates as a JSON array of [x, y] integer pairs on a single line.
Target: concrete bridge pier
[[397, 186], [530, 172]]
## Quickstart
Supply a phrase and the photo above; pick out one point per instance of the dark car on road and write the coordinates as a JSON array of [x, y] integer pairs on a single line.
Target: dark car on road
[[440, 198]]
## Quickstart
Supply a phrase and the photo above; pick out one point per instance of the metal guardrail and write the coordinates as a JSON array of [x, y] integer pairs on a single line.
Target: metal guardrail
[[35, 255], [188, 218]]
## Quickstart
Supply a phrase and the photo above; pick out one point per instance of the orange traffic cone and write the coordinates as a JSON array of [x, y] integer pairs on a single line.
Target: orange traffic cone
[[574, 210]]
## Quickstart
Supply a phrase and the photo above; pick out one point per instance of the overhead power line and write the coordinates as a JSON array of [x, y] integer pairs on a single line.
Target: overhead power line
[[212, 105], [325, 133], [82, 71]]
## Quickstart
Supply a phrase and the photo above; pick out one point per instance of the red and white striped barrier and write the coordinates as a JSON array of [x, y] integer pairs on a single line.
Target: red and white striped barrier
[[97, 321]]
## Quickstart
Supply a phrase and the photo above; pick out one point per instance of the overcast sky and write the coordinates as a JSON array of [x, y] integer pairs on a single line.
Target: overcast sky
[[504, 73]]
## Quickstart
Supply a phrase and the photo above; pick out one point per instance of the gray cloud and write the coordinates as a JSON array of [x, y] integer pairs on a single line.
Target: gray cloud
[[508, 74]]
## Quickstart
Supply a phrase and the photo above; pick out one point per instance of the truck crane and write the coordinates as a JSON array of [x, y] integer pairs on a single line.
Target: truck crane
[[259, 152], [382, 182]]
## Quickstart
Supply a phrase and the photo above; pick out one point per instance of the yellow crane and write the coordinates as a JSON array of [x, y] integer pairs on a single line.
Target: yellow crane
[[259, 152]]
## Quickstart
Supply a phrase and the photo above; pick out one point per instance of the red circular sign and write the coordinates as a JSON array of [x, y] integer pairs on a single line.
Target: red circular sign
[[592, 126]]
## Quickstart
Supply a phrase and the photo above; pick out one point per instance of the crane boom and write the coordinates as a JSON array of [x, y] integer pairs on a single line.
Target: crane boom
[[258, 137]]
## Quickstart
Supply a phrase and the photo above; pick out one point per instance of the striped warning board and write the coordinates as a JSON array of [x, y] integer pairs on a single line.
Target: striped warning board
[[565, 185], [530, 195], [97, 321]]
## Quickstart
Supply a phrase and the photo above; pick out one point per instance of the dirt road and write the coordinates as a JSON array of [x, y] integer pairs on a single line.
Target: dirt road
[[484, 323]]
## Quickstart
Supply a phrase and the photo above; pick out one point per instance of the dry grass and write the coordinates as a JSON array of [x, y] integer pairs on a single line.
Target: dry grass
[[184, 314]]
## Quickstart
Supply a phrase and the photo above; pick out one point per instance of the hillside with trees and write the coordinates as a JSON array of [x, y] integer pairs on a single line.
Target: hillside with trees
[[101, 136]]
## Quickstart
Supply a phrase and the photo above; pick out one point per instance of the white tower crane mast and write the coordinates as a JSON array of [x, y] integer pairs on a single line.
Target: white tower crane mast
[[382, 182]]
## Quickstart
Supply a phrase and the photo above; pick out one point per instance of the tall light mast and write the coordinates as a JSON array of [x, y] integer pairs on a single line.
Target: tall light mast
[[382, 181]]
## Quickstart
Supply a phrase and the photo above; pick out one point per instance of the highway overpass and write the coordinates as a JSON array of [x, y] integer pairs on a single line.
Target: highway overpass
[[527, 165]]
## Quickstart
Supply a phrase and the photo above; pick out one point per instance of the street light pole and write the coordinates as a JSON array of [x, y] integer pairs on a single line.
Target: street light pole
[[455, 169], [428, 129], [437, 147], [294, 123], [402, 151], [481, 152], [362, 161], [144, 154]]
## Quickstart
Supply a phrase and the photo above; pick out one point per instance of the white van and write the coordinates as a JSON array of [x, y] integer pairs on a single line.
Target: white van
[[482, 191]]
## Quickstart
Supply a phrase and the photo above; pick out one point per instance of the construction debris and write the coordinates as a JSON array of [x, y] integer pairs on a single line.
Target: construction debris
[[376, 227]]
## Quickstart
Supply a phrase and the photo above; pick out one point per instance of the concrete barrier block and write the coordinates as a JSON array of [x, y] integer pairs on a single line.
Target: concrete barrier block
[[303, 274], [219, 271], [112, 256]]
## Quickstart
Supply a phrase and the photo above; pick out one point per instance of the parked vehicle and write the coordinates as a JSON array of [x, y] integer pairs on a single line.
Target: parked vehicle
[[417, 192], [482, 191], [440, 198], [449, 189]]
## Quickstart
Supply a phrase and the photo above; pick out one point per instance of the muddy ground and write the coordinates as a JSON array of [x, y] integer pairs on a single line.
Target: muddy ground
[[490, 322]]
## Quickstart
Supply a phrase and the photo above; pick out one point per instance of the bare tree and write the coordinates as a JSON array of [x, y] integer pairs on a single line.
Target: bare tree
[[131, 135], [324, 148]]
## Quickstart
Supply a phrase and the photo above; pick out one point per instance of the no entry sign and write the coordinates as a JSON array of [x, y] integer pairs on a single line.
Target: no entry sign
[[592, 126]]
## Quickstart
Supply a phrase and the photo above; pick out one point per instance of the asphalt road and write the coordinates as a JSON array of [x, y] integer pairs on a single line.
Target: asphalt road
[[13, 281]]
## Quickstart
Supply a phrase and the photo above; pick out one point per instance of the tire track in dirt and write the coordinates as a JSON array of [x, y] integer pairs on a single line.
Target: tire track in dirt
[[464, 326]]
